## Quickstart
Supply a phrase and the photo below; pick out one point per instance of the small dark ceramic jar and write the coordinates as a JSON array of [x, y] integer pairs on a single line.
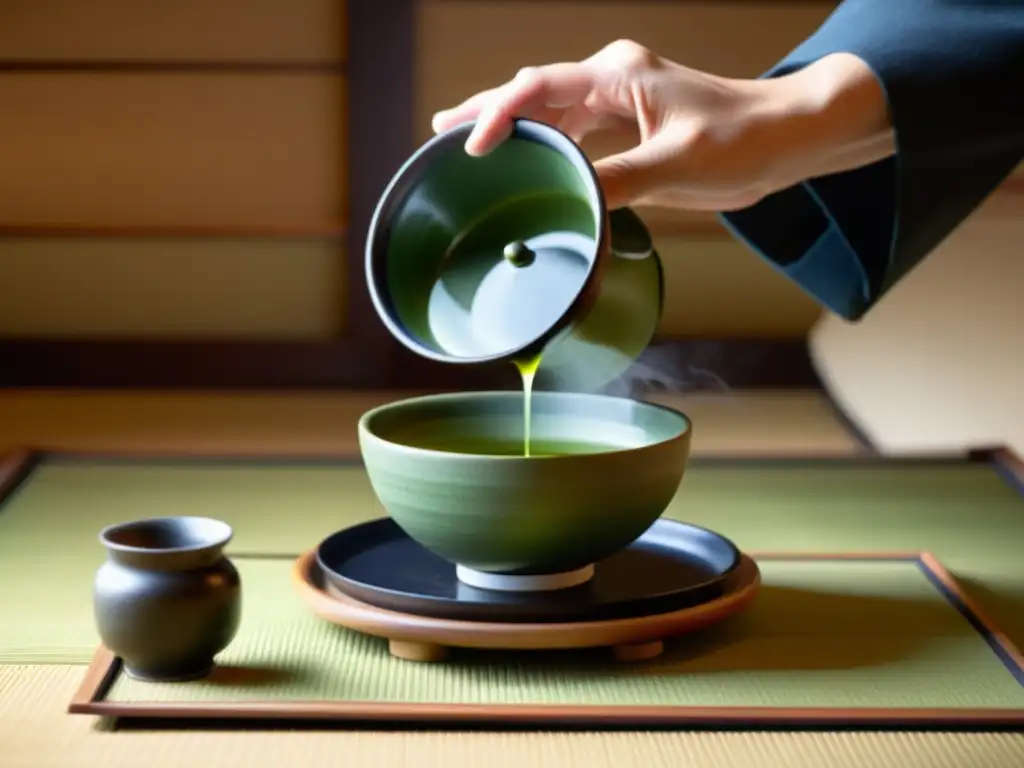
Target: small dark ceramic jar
[[167, 600]]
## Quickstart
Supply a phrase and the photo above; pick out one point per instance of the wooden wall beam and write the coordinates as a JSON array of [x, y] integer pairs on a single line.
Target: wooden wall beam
[[669, 364], [381, 81]]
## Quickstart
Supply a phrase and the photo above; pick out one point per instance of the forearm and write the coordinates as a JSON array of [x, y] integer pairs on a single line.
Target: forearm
[[828, 117]]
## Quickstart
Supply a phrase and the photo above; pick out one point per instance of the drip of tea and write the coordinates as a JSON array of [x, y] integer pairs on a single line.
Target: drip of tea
[[519, 255], [527, 370]]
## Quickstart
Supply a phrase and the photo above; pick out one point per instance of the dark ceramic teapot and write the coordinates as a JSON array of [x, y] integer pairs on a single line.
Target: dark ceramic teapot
[[507, 256]]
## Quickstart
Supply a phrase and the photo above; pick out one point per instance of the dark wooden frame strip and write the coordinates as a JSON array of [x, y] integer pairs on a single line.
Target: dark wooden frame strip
[[102, 672], [14, 468], [366, 359]]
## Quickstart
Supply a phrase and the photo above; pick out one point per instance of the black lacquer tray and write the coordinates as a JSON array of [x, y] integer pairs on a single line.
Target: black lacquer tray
[[671, 566]]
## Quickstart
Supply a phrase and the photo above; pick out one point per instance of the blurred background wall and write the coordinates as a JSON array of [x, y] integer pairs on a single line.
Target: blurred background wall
[[146, 200], [192, 204], [939, 365], [163, 202]]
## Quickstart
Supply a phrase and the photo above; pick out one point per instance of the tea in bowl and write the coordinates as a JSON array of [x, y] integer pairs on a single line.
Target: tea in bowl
[[452, 471]]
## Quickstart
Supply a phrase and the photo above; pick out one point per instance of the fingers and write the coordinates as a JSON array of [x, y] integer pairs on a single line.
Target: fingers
[[639, 173], [549, 89], [443, 121], [553, 86], [579, 122], [464, 112]]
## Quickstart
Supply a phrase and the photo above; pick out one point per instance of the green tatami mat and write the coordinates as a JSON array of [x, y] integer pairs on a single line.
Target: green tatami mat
[[959, 511], [274, 508], [966, 514], [821, 634]]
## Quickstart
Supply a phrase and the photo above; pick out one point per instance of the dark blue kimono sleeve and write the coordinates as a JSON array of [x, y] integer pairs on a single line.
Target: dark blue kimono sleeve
[[953, 75]]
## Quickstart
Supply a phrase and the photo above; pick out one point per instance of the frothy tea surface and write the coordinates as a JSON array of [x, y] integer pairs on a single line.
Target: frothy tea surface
[[492, 446]]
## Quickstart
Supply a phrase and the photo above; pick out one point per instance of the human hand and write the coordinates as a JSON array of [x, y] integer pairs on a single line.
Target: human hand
[[691, 125], [706, 142]]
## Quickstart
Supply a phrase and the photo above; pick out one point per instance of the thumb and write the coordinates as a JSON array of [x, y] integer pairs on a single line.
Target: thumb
[[637, 172]]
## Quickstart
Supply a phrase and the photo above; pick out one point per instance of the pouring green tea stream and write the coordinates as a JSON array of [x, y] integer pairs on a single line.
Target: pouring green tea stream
[[518, 254], [527, 370]]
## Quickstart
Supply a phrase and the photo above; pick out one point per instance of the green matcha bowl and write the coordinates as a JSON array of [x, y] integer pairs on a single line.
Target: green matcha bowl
[[450, 470]]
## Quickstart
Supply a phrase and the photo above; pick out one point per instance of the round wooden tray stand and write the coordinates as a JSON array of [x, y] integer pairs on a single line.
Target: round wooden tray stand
[[423, 638]]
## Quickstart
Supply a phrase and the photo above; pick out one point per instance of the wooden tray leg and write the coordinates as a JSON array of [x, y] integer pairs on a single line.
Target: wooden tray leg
[[638, 651], [415, 651]]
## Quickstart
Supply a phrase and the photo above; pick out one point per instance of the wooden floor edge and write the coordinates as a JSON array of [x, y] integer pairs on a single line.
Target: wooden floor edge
[[592, 714], [953, 584], [97, 679], [1011, 461], [14, 467]]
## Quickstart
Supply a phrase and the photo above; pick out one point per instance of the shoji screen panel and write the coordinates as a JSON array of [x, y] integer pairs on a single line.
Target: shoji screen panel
[[193, 150], [173, 170], [153, 288]]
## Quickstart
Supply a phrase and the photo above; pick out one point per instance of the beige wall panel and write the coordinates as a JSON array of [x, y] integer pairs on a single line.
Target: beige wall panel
[[716, 288], [467, 45], [938, 365], [263, 289], [172, 150], [173, 30]]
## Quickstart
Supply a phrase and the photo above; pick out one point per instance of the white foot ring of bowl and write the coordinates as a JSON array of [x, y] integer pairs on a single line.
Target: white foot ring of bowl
[[501, 582]]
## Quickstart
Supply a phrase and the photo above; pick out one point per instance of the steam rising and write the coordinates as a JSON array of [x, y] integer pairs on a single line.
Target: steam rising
[[670, 376], [658, 370]]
